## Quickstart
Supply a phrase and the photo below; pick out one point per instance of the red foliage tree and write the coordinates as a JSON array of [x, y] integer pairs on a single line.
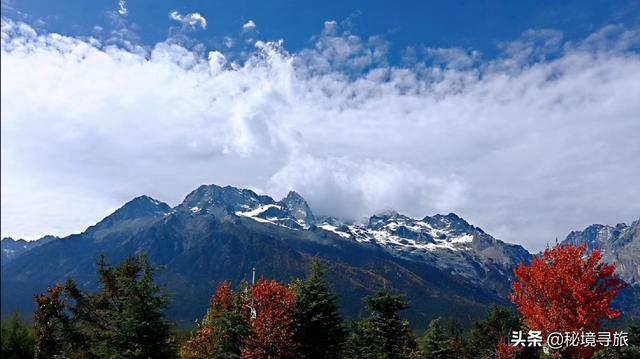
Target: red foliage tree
[[507, 351], [47, 321], [565, 290], [272, 330], [211, 339]]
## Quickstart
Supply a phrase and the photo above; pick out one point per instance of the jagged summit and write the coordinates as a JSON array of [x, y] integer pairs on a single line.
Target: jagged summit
[[397, 233], [141, 206], [293, 196], [229, 198], [619, 244], [446, 241], [452, 221], [298, 208]]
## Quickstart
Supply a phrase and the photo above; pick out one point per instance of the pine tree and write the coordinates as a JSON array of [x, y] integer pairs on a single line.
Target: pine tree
[[140, 326], [443, 344], [318, 328], [455, 343], [364, 342], [17, 341], [123, 320], [433, 343], [385, 335], [496, 328]]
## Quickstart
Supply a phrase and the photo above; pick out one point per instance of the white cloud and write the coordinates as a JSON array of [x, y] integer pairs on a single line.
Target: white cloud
[[228, 42], [452, 57], [330, 26], [192, 20], [526, 150], [249, 25], [122, 8]]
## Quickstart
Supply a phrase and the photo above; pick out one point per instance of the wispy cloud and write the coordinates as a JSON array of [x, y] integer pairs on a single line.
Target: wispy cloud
[[526, 145], [249, 26], [192, 20], [122, 8]]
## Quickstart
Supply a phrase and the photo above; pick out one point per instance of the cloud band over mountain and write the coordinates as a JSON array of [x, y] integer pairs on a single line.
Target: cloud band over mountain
[[528, 145]]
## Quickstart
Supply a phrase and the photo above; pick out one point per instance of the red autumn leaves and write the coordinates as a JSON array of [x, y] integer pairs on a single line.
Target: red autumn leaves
[[258, 320], [272, 330], [565, 290]]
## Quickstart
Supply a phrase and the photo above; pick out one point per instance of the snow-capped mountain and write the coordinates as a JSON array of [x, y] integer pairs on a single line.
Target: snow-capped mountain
[[221, 233], [217, 233], [291, 212], [446, 241]]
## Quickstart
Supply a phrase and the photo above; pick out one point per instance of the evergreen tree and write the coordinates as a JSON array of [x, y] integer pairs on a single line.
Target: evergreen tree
[[632, 351], [230, 336], [456, 343], [384, 335], [443, 344], [364, 341], [123, 320], [318, 328], [433, 342], [496, 328], [136, 324], [17, 341]]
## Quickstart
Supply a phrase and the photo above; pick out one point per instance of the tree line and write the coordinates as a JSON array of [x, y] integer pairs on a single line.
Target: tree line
[[267, 319]]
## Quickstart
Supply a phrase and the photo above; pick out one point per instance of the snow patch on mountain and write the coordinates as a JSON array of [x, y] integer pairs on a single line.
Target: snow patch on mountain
[[257, 211], [334, 229]]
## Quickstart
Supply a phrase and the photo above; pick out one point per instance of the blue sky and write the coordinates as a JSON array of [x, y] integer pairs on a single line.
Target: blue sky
[[518, 115], [476, 25]]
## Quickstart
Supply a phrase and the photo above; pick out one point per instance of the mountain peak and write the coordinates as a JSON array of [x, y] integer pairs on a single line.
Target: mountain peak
[[618, 244], [621, 226], [141, 206], [298, 208], [9, 241], [293, 196], [451, 220], [389, 213], [228, 198]]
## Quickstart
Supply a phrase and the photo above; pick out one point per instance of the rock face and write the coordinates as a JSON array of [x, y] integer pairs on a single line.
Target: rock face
[[619, 244]]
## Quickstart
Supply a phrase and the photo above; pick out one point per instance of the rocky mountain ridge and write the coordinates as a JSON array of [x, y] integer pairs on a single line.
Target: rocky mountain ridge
[[618, 244], [442, 262]]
